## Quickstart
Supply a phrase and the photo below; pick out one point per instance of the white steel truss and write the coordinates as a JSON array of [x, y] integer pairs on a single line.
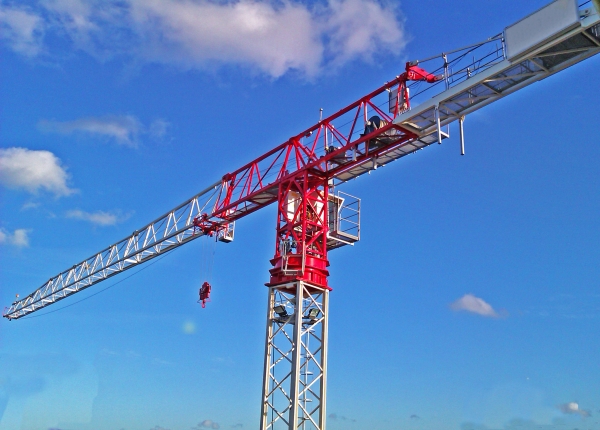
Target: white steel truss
[[295, 372], [168, 232]]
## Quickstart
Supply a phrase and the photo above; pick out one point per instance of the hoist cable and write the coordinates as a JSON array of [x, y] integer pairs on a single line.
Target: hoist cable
[[156, 260]]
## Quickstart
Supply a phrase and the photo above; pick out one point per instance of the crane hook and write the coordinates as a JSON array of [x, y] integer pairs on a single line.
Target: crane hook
[[204, 293]]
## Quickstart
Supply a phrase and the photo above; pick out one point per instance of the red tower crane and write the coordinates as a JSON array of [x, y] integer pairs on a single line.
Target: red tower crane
[[301, 175]]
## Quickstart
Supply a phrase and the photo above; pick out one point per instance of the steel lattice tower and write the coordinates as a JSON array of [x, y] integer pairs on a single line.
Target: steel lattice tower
[[295, 373], [295, 370]]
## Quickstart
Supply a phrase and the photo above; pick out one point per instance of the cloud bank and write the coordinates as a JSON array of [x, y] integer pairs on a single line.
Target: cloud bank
[[475, 305], [32, 171], [271, 37]]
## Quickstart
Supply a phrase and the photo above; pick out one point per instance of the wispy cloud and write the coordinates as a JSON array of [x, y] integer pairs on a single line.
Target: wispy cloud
[[572, 408], [124, 130], [567, 305], [475, 305], [161, 362], [336, 417], [270, 37], [520, 424], [33, 170], [30, 205], [158, 128], [22, 30], [99, 218], [18, 238], [207, 424], [133, 355], [359, 28]]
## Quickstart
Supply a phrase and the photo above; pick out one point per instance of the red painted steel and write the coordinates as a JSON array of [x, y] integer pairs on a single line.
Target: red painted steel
[[256, 184], [302, 167], [204, 293], [301, 238], [205, 225]]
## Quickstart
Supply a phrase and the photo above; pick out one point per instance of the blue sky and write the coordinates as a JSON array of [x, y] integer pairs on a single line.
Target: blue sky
[[472, 300]]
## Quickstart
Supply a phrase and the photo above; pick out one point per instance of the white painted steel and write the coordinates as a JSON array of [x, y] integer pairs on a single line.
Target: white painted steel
[[554, 18], [166, 233], [295, 367], [473, 87], [461, 121], [344, 220]]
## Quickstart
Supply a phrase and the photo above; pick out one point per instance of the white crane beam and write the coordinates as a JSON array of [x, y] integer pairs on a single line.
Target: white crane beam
[[167, 232], [480, 74]]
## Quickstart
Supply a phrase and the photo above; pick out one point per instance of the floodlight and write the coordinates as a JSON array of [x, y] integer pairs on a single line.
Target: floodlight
[[280, 310], [313, 314]]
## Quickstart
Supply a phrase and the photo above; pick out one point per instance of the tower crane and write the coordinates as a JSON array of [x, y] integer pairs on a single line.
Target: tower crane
[[302, 175]]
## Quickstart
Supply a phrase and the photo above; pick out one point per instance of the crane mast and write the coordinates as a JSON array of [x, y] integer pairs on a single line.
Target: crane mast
[[301, 176]]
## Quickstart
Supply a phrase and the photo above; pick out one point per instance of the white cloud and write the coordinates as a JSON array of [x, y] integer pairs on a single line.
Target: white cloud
[[267, 36], [30, 205], [22, 30], [360, 28], [123, 129], [470, 303], [18, 238], [100, 218], [109, 352], [158, 128], [33, 170], [573, 409], [209, 424], [161, 362], [198, 34]]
